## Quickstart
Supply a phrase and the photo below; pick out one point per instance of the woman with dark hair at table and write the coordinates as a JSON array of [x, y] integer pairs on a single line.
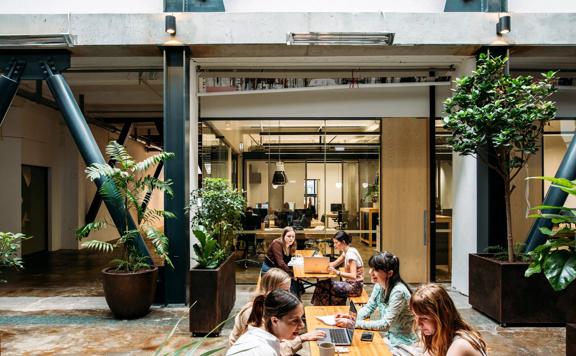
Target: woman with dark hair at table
[[330, 292], [390, 298]]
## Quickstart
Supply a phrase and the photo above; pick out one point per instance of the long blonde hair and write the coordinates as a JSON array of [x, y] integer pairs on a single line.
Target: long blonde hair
[[433, 301], [271, 280]]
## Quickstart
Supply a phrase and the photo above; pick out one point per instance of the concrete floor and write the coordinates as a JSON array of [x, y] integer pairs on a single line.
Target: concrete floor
[[56, 307]]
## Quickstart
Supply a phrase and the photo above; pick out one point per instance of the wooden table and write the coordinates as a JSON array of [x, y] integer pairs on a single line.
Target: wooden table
[[358, 347]]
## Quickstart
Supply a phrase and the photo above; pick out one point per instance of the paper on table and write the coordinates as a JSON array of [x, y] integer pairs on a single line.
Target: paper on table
[[328, 319]]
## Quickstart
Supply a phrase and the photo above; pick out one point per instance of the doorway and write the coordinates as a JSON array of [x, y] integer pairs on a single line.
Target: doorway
[[34, 209]]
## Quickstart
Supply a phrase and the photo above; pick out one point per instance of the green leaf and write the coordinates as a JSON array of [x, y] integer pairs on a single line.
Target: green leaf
[[560, 269]]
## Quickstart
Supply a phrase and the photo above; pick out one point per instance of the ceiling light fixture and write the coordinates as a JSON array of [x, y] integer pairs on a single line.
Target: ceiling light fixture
[[59, 40], [503, 26], [170, 26], [279, 177], [340, 38]]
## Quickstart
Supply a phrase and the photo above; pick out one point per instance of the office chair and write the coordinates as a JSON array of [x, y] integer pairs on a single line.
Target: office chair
[[251, 222]]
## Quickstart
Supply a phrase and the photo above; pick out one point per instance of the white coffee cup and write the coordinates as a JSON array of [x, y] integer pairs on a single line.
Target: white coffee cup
[[326, 348]]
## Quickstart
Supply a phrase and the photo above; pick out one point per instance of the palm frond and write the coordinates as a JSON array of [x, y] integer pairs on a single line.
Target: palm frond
[[118, 153], [100, 170], [99, 245], [85, 230], [152, 161], [160, 243]]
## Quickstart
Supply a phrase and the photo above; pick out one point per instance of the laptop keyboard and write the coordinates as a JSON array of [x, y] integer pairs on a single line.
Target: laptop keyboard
[[339, 336]]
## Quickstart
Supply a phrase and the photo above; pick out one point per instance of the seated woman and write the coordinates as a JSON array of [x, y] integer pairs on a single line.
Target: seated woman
[[280, 253], [391, 297], [274, 279], [330, 292], [442, 330], [274, 317]]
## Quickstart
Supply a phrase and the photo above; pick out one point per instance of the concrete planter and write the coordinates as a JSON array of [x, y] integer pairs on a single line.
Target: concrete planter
[[214, 292], [500, 290], [571, 339]]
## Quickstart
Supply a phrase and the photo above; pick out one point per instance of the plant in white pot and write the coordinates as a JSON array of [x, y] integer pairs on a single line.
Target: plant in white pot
[[129, 284]]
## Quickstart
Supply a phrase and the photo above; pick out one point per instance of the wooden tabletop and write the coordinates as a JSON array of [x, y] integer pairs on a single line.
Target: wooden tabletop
[[358, 347], [299, 270]]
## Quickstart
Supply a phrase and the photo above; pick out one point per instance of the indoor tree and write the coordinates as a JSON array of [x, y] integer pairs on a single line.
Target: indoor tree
[[499, 119]]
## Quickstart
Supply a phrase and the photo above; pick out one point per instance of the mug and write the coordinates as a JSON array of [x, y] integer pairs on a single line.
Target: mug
[[326, 348]]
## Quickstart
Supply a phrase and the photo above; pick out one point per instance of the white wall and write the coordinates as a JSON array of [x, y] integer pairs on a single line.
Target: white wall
[[464, 203], [79, 7], [327, 191], [446, 184], [257, 192], [35, 135], [334, 6], [541, 6], [360, 102], [294, 189]]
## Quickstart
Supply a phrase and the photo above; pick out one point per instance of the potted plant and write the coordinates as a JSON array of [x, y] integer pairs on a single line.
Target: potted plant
[[556, 258], [130, 283], [9, 244], [216, 211], [499, 120], [371, 195]]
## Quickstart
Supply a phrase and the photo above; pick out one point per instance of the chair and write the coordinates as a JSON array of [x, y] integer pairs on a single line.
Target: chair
[[251, 222]]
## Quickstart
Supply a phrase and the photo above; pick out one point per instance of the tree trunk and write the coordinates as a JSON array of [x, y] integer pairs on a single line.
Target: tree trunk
[[507, 194]]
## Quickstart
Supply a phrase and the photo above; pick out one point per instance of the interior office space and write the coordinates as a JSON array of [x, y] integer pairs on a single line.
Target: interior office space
[[125, 83]]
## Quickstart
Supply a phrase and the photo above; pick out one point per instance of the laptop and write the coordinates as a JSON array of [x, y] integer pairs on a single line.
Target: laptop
[[340, 336], [316, 264]]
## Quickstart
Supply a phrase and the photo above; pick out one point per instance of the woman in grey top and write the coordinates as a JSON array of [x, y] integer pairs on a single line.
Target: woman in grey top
[[391, 297]]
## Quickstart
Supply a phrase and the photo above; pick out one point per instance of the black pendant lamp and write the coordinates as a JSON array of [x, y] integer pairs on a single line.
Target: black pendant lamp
[[279, 177]]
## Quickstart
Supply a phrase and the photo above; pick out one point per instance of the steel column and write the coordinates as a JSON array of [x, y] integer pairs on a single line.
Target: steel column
[[554, 197], [9, 86], [176, 132], [87, 145]]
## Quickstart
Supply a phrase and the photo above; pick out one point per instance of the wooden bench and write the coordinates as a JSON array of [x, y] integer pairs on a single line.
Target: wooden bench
[[362, 299]]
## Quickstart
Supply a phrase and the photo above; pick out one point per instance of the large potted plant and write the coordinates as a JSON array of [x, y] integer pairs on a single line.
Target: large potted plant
[[130, 283], [556, 258], [499, 120], [216, 211]]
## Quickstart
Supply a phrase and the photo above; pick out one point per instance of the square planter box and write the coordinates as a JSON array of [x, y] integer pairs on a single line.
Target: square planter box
[[214, 292], [571, 339], [500, 290]]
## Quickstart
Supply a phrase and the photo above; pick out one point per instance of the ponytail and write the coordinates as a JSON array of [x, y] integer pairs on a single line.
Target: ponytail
[[257, 313]]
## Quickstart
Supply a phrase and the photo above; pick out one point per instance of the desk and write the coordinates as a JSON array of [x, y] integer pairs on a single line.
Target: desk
[[358, 347], [370, 237]]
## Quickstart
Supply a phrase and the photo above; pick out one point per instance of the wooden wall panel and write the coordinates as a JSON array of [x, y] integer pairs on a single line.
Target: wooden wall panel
[[404, 194]]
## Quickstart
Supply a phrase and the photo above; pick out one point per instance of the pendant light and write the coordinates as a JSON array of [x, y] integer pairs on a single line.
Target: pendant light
[[279, 177]]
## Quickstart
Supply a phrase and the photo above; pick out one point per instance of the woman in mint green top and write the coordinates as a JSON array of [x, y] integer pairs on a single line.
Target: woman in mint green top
[[391, 298]]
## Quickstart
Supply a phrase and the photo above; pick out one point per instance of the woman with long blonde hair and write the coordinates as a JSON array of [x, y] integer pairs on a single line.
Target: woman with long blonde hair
[[442, 329], [274, 279]]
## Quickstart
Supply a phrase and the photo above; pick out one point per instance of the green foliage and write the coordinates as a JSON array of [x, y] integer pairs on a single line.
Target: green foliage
[[371, 193], [209, 254], [501, 253], [217, 208], [499, 119], [129, 183], [9, 244], [556, 258]]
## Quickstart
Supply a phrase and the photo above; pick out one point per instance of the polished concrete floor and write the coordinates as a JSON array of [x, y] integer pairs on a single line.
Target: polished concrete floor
[[56, 307]]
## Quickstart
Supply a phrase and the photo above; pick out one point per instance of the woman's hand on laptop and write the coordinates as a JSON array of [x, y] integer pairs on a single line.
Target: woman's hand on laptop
[[345, 323], [313, 335]]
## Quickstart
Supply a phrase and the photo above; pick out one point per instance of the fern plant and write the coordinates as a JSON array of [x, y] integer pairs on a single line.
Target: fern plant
[[134, 188]]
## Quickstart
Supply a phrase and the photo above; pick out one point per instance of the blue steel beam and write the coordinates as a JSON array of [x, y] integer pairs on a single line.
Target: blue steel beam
[[88, 148], [554, 197]]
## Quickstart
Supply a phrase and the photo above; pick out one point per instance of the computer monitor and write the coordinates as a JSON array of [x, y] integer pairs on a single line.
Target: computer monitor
[[335, 207]]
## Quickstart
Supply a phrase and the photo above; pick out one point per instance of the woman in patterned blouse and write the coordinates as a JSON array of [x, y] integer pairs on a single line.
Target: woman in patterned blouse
[[391, 297]]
